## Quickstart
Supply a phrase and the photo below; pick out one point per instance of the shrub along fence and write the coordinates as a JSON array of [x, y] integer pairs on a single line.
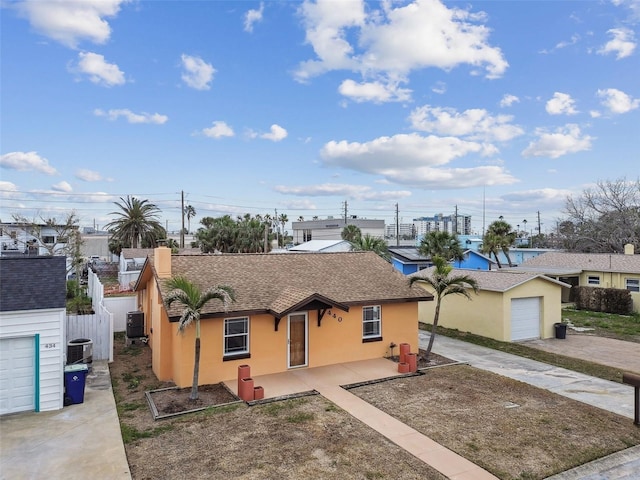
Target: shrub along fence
[[609, 300]]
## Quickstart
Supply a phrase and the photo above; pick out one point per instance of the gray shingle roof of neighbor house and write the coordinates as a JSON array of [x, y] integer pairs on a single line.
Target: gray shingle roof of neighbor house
[[265, 283], [494, 280], [32, 283], [602, 262]]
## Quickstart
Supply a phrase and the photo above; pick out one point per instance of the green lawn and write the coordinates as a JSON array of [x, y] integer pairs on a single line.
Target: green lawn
[[622, 327]]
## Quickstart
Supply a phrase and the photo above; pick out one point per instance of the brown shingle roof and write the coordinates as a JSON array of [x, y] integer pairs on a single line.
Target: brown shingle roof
[[275, 283], [601, 262], [493, 280]]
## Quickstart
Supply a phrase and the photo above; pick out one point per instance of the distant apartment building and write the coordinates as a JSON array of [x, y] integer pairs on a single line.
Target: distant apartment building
[[460, 224], [405, 230], [330, 228]]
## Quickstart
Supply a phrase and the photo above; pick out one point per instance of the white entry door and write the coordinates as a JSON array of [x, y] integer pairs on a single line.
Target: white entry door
[[17, 375]]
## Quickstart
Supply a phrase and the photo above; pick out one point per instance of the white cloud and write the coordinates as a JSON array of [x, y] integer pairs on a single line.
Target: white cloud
[[508, 100], [565, 140], [617, 101], [476, 124], [62, 186], [132, 117], [414, 160], [358, 192], [376, 92], [218, 130], [595, 113], [70, 22], [253, 16], [8, 190], [538, 196], [87, 175], [276, 133], [26, 161], [392, 42], [98, 69], [561, 103], [197, 73], [439, 88], [622, 44]]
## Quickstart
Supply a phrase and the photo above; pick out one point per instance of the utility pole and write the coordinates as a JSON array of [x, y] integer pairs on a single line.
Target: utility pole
[[345, 212], [266, 237], [275, 221], [182, 230], [397, 227]]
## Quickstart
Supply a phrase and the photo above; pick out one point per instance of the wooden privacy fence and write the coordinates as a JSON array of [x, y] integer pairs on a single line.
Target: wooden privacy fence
[[97, 327]]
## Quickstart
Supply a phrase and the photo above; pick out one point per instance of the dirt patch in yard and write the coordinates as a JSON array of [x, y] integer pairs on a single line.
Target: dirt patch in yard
[[305, 437], [512, 429]]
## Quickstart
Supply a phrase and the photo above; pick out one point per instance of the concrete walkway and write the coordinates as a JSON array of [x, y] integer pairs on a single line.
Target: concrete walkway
[[611, 396], [77, 442]]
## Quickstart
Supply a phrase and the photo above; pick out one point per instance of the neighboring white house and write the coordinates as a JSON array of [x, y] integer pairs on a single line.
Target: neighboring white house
[[32, 319], [331, 228]]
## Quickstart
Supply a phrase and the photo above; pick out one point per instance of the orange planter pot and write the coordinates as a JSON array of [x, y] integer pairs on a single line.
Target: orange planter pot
[[404, 349], [403, 367], [258, 393], [244, 371], [246, 389], [412, 360]]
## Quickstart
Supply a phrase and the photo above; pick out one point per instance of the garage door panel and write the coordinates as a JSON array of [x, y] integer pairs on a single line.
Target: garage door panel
[[17, 374], [525, 318]]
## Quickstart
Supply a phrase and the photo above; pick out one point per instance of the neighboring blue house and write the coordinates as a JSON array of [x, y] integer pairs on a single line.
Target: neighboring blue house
[[407, 260], [475, 261], [521, 255]]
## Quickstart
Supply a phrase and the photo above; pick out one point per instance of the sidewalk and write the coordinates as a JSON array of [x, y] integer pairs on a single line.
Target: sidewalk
[[611, 396]]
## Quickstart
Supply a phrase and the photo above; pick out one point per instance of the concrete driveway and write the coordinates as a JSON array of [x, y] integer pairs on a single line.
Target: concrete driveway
[[77, 442]]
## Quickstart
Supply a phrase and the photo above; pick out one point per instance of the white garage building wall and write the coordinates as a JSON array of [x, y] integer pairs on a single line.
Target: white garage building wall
[[48, 327]]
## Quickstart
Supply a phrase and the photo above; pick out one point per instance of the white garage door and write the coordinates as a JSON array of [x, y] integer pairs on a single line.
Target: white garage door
[[525, 318], [17, 374]]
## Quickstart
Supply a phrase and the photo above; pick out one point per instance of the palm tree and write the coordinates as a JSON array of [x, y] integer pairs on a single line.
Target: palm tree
[[373, 244], [189, 212], [490, 245], [189, 295], [441, 244], [283, 219], [504, 235], [351, 233], [442, 285], [137, 221]]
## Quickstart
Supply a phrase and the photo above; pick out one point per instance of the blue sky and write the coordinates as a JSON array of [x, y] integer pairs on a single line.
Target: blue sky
[[496, 107]]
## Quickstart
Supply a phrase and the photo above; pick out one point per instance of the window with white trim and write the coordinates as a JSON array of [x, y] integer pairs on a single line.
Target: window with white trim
[[236, 336], [371, 322], [633, 284], [593, 280]]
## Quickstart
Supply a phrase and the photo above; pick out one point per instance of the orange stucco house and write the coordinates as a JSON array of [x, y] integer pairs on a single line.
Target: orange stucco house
[[292, 310]]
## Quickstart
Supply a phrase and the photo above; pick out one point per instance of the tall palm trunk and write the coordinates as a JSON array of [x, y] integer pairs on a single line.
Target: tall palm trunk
[[436, 317], [506, 254], [196, 365]]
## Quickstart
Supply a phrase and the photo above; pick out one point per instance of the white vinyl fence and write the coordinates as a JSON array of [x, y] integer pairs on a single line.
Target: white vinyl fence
[[100, 326]]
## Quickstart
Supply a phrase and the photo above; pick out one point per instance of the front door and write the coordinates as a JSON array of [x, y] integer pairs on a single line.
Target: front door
[[297, 340]]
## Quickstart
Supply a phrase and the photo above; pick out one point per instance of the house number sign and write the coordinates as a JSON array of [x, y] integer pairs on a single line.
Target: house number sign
[[50, 345]]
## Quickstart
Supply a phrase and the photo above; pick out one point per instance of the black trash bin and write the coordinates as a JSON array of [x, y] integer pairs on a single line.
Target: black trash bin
[[561, 330], [74, 382]]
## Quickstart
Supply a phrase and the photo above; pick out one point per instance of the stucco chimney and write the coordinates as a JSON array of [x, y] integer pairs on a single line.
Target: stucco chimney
[[628, 249], [162, 261]]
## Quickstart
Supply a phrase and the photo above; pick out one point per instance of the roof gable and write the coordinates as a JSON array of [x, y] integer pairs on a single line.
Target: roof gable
[[495, 280]]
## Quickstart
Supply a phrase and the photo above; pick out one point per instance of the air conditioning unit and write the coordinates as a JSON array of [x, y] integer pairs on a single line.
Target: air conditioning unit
[[135, 324]]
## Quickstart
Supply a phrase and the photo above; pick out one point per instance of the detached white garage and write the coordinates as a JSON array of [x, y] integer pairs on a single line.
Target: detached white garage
[[525, 318], [32, 315]]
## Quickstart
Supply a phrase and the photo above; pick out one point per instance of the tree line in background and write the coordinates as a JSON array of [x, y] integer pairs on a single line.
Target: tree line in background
[[602, 219]]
